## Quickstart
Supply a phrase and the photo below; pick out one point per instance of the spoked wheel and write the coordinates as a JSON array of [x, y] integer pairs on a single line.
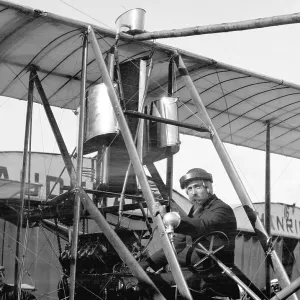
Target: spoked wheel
[[198, 258]]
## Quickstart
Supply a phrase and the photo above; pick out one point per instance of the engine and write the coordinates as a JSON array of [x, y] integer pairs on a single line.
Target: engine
[[100, 272]]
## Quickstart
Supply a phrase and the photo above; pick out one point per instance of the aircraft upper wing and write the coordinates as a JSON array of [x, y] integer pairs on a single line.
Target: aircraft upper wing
[[238, 101]]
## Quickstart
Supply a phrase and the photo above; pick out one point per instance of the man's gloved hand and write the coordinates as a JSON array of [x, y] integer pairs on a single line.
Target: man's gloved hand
[[157, 208]]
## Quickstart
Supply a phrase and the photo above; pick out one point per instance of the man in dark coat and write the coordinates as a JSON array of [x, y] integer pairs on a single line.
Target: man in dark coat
[[208, 214], [7, 291]]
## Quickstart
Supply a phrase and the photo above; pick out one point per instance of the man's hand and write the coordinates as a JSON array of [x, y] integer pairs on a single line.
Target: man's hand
[[157, 208]]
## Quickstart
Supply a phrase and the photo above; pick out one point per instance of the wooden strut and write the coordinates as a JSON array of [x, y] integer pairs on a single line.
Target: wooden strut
[[136, 114], [170, 158], [220, 28], [80, 140], [18, 262], [268, 209]]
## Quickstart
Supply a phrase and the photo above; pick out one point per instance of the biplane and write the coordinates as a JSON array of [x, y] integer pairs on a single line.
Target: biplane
[[133, 98]]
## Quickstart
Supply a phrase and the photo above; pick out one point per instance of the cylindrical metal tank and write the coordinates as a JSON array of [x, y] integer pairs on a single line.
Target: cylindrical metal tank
[[132, 21], [161, 140], [101, 125], [169, 134]]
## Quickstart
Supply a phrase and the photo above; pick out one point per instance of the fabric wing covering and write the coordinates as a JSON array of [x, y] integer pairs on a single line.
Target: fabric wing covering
[[238, 101]]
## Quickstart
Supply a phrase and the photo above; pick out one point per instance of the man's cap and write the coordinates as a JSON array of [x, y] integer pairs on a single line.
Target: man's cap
[[194, 174], [2, 268]]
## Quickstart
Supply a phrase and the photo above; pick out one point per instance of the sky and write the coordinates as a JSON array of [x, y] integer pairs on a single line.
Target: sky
[[270, 51]]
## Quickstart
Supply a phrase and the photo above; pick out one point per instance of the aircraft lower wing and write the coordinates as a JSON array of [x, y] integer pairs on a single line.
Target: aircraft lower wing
[[10, 189], [10, 198]]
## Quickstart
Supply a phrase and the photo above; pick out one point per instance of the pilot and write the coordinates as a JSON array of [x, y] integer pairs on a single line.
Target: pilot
[[275, 286], [208, 214], [7, 291]]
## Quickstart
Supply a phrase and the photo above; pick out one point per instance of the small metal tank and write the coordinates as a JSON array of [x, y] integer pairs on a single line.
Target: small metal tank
[[169, 134], [131, 21], [101, 125], [161, 140]]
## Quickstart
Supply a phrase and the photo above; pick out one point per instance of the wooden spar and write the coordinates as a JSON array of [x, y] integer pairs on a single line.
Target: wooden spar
[[206, 29], [18, 262], [233, 174], [170, 160], [80, 139], [136, 114], [143, 89], [138, 168], [268, 208], [3, 240], [57, 229], [220, 28], [59, 139]]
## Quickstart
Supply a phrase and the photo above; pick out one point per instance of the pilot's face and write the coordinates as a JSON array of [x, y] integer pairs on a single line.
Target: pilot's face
[[275, 287], [197, 192]]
